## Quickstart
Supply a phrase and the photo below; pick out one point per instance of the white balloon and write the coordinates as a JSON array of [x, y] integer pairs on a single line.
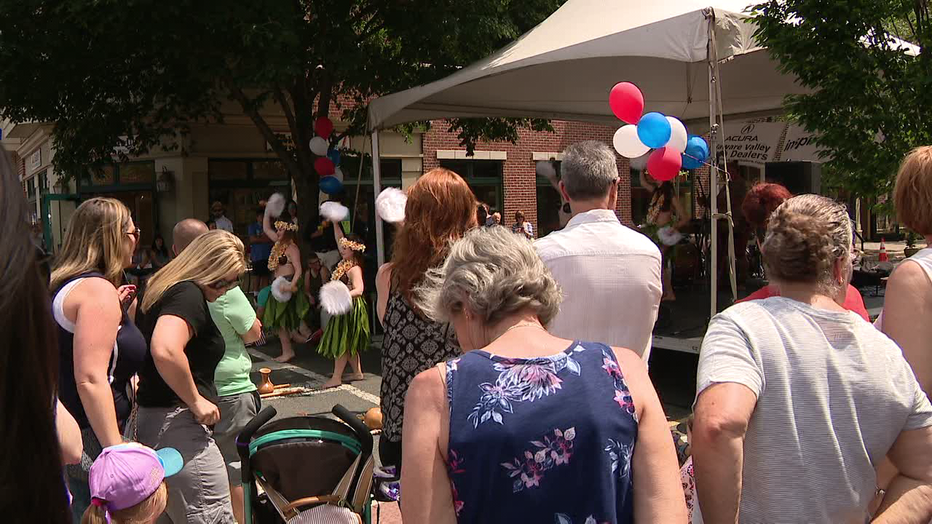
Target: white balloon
[[319, 146], [639, 163], [338, 174], [627, 143], [678, 134]]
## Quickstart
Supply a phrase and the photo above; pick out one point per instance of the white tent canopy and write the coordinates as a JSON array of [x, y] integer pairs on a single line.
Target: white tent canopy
[[565, 67]]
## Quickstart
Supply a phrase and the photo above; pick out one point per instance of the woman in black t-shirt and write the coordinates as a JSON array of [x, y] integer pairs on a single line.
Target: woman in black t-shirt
[[177, 397]]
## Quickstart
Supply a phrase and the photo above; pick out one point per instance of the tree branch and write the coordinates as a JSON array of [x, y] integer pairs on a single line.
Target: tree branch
[[326, 94], [289, 113], [266, 131]]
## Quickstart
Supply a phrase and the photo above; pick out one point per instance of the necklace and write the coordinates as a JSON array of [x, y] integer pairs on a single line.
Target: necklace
[[341, 269], [277, 251], [523, 325]]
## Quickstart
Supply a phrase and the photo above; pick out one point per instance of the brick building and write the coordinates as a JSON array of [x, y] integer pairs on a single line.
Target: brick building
[[504, 175], [231, 163]]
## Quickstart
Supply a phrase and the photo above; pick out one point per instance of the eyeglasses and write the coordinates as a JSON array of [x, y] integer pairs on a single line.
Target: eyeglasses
[[225, 285], [135, 234]]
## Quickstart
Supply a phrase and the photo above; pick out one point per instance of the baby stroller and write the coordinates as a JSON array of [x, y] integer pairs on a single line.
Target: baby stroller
[[311, 469]]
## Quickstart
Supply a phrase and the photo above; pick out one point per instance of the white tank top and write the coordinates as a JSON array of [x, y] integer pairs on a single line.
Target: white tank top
[[924, 259]]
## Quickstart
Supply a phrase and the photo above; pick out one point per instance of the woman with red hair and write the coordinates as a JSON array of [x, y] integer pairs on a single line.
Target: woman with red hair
[[440, 209], [758, 205]]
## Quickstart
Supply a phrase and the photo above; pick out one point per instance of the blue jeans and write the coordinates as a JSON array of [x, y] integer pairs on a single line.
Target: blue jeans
[[76, 475]]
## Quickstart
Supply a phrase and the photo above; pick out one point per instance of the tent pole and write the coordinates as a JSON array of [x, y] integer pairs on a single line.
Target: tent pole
[[376, 189], [713, 173], [729, 212]]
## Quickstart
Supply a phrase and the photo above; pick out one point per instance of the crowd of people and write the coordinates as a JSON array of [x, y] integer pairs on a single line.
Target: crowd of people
[[514, 372]]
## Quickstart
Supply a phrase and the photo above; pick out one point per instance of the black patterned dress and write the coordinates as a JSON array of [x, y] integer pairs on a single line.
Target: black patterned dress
[[411, 344]]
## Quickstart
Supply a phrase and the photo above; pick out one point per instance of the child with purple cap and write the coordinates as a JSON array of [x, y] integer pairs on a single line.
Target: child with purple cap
[[127, 484]]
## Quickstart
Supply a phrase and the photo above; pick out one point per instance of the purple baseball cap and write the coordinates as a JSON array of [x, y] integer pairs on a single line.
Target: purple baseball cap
[[127, 474]]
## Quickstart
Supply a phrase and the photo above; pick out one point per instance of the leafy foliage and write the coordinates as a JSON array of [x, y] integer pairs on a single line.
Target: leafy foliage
[[871, 99], [138, 73]]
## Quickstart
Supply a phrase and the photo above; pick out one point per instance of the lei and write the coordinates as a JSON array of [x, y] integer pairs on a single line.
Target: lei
[[277, 251], [341, 269]]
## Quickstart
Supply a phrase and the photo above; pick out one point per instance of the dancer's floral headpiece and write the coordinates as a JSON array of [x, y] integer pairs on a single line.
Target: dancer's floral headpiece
[[355, 246]]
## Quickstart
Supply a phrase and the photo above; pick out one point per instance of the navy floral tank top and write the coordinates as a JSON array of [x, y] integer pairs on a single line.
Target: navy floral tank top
[[546, 439]]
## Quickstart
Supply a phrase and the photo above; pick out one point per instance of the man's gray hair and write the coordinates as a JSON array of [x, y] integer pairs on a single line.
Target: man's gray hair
[[588, 170], [493, 273]]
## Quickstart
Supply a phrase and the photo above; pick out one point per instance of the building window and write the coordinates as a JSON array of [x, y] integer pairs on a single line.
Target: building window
[[359, 196], [549, 203], [640, 198], [484, 178], [127, 174], [43, 182], [31, 188], [240, 183]]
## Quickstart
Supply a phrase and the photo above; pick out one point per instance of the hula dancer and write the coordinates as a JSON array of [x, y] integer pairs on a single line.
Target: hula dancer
[[286, 307], [346, 333], [665, 217]]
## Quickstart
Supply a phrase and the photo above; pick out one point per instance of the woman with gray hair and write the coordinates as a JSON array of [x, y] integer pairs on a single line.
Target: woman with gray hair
[[798, 399], [525, 426]]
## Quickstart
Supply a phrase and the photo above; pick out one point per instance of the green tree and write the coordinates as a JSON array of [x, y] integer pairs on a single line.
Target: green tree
[[138, 73], [871, 100]]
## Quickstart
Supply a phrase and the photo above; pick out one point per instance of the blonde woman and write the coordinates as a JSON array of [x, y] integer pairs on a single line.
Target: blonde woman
[[99, 346], [177, 395]]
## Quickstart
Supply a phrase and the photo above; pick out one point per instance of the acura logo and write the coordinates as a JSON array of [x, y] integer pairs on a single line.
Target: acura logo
[[748, 129]]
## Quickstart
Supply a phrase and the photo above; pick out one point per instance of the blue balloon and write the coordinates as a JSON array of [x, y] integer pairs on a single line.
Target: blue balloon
[[697, 151], [330, 185], [654, 130], [690, 163], [334, 156]]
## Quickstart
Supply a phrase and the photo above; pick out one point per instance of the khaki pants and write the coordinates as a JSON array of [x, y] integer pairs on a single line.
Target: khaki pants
[[199, 493]]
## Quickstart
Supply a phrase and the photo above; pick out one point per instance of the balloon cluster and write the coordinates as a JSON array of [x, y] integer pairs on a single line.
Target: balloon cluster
[[328, 160], [673, 148]]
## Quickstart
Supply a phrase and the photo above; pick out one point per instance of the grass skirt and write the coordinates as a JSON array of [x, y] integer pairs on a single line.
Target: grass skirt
[[286, 315], [346, 333]]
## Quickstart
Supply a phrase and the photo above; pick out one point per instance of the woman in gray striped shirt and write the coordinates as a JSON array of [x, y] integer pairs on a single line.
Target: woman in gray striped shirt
[[798, 400]]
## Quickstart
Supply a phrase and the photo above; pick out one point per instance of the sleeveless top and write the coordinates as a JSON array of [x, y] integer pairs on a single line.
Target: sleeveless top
[[924, 259], [546, 439], [411, 344], [129, 353], [661, 201]]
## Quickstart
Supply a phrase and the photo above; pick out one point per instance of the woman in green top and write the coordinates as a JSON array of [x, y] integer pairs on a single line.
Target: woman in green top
[[239, 399]]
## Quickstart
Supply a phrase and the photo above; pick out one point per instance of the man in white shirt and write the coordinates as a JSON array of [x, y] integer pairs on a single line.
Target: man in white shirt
[[610, 274], [224, 223]]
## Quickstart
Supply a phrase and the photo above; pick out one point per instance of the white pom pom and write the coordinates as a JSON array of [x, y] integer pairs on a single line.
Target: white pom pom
[[281, 289], [669, 236], [335, 298], [334, 211], [275, 206], [391, 205]]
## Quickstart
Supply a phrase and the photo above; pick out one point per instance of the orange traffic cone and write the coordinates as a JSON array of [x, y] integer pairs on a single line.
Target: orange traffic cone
[[883, 252]]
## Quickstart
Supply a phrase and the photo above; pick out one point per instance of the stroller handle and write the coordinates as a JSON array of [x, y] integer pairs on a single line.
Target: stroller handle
[[362, 431], [245, 436]]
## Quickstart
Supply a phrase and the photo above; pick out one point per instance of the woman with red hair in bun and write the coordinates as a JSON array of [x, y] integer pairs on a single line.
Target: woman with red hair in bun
[[758, 205]]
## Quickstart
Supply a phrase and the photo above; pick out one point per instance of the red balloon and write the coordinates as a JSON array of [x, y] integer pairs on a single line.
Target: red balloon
[[664, 164], [626, 102], [324, 166], [323, 127]]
